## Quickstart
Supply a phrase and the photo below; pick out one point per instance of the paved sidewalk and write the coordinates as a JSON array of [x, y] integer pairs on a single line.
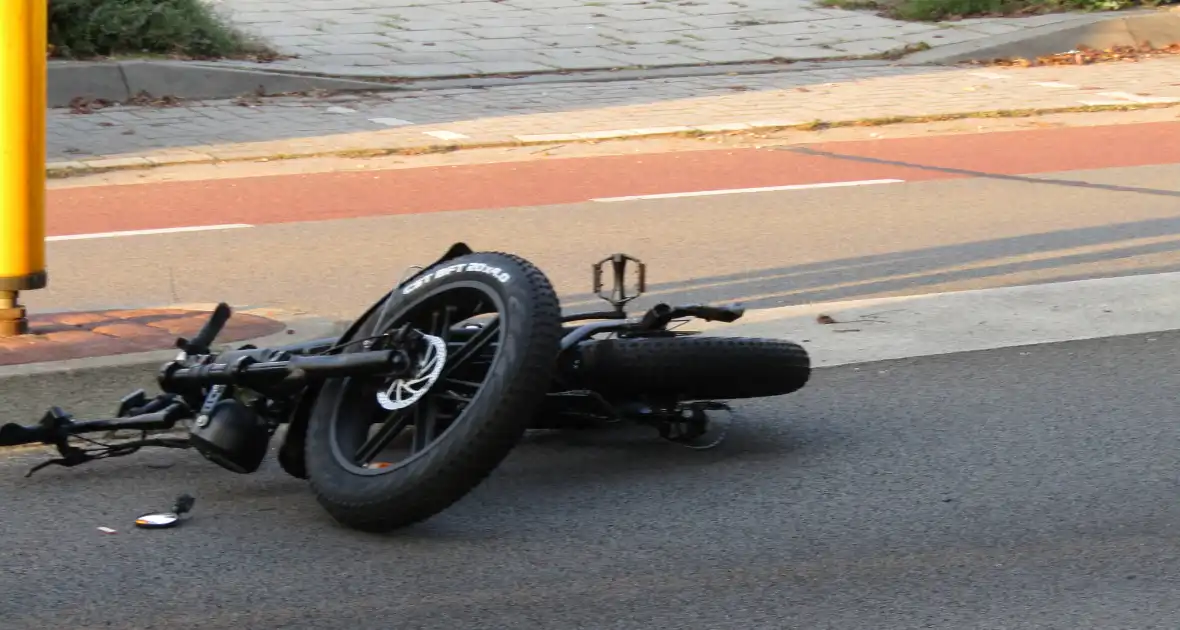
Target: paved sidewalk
[[930, 92], [117, 130], [431, 38]]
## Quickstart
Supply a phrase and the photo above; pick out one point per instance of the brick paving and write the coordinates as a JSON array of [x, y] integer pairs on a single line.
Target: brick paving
[[122, 129], [432, 38], [729, 102], [60, 336]]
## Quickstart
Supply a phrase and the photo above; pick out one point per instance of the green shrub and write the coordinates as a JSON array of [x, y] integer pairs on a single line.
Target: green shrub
[[939, 9], [943, 9], [179, 28]]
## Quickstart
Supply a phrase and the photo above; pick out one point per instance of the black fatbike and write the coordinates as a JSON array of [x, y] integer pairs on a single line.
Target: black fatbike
[[429, 390]]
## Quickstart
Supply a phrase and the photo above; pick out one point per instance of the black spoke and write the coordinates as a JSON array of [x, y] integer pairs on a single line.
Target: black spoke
[[472, 348], [394, 424], [453, 397], [444, 330], [470, 351], [423, 426]]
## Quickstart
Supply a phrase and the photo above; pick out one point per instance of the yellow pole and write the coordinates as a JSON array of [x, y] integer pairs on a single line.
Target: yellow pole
[[23, 33]]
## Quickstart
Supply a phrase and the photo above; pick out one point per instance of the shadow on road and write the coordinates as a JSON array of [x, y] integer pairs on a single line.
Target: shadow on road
[[1136, 247], [981, 174]]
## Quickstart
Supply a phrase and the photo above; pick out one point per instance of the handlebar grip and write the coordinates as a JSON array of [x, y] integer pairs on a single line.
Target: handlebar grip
[[211, 329], [13, 434], [725, 314]]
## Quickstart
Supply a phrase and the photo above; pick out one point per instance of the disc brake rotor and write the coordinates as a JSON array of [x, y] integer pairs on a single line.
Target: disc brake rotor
[[403, 392]]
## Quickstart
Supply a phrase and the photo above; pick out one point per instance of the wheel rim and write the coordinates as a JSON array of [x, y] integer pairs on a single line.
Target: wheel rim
[[374, 415]]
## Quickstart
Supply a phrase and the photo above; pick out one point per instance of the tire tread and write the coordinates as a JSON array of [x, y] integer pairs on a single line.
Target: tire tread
[[695, 368]]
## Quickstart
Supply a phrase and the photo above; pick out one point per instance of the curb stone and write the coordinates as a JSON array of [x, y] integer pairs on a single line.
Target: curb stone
[[91, 387], [121, 81]]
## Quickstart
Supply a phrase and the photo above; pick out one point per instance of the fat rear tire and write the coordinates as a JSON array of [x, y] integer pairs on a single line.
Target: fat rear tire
[[480, 438], [694, 368]]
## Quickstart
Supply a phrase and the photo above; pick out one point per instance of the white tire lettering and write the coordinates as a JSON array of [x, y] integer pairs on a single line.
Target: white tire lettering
[[442, 272]]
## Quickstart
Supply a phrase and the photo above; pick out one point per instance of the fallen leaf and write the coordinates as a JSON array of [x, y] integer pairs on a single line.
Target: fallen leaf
[[1084, 55]]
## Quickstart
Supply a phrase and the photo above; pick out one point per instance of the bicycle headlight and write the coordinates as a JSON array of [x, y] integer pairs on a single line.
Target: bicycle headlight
[[232, 436]]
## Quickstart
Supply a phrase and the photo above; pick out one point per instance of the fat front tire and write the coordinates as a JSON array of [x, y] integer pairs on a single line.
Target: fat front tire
[[484, 432], [694, 368]]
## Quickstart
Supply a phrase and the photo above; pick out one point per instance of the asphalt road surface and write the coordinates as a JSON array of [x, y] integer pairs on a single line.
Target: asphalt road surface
[[1030, 487]]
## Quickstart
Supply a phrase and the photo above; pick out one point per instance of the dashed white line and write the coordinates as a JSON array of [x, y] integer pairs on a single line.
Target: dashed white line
[[446, 135], [173, 230], [732, 191], [1136, 98], [391, 122], [1055, 84], [1124, 98]]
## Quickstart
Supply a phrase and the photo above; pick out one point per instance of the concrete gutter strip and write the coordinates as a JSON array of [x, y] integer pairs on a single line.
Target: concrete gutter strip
[[902, 327]]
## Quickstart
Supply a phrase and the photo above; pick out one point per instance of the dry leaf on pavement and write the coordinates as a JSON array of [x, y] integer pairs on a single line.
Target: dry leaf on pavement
[[1085, 55]]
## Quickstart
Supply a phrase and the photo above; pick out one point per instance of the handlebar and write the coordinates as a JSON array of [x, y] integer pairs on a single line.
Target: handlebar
[[250, 368], [56, 425]]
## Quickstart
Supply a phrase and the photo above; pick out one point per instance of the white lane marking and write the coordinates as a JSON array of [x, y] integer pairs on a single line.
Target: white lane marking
[[391, 122], [732, 191], [1134, 98], [445, 135], [1054, 84], [989, 75], [967, 321], [174, 230]]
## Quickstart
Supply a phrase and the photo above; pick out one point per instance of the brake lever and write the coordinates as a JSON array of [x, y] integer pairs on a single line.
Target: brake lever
[[71, 457]]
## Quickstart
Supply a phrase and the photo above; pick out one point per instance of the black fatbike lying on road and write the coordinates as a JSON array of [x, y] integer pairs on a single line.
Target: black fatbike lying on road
[[430, 389]]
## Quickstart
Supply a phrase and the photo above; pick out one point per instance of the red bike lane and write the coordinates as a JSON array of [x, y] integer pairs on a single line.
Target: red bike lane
[[319, 196]]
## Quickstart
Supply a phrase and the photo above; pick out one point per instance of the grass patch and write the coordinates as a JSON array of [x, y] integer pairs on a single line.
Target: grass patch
[[178, 29], [929, 10]]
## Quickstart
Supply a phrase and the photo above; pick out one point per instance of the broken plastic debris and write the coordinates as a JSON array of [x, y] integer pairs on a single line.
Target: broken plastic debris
[[161, 520]]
